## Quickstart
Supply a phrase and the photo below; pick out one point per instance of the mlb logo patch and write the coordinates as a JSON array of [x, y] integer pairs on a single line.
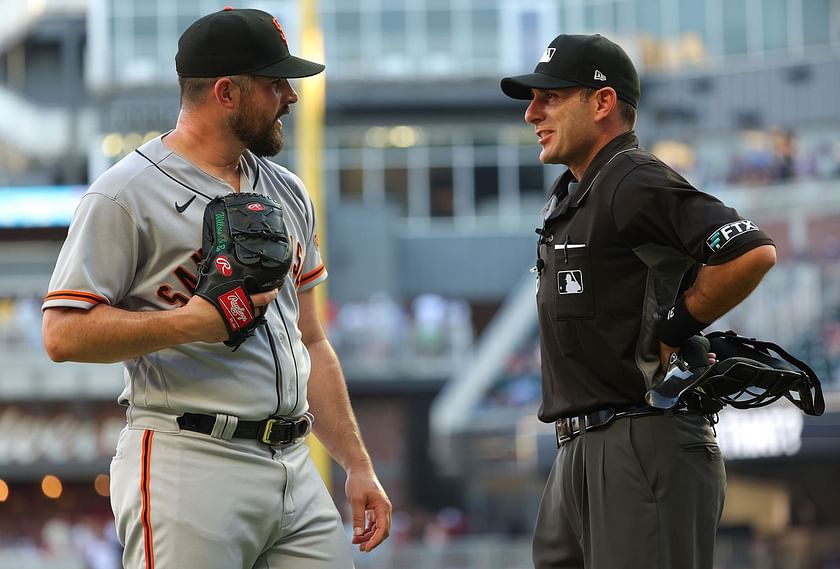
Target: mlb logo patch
[[569, 282]]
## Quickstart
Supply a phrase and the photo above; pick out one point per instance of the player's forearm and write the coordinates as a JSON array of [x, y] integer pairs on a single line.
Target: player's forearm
[[335, 424], [719, 288], [105, 334]]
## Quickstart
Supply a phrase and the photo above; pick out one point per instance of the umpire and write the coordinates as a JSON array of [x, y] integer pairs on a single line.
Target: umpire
[[632, 261]]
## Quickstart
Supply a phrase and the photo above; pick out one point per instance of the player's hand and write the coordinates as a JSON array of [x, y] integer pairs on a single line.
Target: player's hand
[[207, 325], [370, 507]]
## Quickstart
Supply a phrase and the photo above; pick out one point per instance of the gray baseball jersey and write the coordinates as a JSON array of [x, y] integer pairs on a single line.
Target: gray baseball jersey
[[134, 243]]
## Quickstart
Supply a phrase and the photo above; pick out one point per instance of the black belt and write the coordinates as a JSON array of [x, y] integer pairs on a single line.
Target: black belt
[[568, 428], [274, 431]]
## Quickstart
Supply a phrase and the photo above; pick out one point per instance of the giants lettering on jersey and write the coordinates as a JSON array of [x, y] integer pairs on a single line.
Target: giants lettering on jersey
[[187, 279], [297, 265], [237, 308]]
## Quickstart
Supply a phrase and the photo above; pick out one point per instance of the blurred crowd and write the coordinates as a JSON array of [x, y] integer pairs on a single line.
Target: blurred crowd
[[519, 384], [757, 157], [376, 329], [20, 322], [84, 542], [379, 328], [90, 541]]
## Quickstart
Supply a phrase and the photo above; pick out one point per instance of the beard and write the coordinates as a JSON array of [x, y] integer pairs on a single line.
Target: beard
[[261, 136]]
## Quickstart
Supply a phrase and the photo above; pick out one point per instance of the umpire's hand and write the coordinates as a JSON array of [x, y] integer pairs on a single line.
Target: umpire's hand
[[665, 352]]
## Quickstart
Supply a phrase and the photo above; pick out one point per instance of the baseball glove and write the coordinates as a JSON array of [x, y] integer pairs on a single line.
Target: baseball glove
[[245, 250]]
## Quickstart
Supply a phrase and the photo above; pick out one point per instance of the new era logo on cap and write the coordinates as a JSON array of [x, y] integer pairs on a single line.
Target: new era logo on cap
[[549, 53], [599, 76]]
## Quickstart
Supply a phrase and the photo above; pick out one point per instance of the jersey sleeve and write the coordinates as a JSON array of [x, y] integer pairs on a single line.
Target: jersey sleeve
[[95, 265], [654, 204], [313, 271]]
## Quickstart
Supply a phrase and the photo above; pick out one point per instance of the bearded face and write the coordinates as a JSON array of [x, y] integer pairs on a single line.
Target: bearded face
[[259, 130]]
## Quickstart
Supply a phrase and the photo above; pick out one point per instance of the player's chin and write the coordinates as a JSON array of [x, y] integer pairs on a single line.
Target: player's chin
[[268, 145]]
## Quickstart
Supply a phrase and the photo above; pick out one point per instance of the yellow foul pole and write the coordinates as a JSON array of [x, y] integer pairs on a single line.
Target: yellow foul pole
[[309, 141]]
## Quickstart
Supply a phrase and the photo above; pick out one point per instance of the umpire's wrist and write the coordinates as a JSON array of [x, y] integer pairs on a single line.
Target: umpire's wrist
[[678, 325]]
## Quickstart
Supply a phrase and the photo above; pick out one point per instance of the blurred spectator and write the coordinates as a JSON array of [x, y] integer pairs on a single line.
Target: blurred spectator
[[783, 163], [753, 165], [381, 331], [429, 312], [20, 322], [448, 524], [56, 538], [519, 385], [389, 324], [97, 542], [679, 155]]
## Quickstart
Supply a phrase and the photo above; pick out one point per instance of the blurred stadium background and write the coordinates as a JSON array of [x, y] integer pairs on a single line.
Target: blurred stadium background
[[431, 189]]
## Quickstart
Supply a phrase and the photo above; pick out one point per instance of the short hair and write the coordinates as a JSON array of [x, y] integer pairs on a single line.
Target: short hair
[[626, 111], [194, 89]]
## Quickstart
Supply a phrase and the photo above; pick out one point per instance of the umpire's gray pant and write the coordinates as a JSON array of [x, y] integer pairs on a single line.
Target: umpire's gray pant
[[643, 493]]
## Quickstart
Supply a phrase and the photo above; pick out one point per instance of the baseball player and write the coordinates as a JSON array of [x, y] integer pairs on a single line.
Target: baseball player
[[211, 470], [632, 262]]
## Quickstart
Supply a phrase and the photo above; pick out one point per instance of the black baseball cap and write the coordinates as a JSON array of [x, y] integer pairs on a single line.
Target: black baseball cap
[[579, 60], [239, 42]]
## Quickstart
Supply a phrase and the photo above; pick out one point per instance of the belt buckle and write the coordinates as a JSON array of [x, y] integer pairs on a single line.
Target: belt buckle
[[268, 431], [565, 430]]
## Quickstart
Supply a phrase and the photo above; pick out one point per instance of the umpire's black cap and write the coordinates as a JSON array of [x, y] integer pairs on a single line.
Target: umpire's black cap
[[579, 60], [239, 42]]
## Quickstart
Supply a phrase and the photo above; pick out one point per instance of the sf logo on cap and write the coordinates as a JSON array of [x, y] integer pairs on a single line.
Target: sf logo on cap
[[280, 29]]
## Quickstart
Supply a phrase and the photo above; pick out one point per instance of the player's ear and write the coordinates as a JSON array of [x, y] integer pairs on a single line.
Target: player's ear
[[226, 92]]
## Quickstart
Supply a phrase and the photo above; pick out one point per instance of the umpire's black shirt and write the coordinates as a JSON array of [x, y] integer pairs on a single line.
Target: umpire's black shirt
[[612, 255]]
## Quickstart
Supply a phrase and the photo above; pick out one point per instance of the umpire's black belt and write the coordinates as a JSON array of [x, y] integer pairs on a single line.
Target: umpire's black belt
[[568, 428], [274, 431]]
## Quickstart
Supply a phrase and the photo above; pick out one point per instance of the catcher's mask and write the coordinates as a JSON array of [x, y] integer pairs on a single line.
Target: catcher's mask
[[749, 373]]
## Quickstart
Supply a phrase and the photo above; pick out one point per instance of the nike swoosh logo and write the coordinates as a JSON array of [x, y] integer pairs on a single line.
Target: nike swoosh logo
[[183, 208]]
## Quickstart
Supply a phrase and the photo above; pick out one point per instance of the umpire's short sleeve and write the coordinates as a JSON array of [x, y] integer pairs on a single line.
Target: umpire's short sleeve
[[654, 204]]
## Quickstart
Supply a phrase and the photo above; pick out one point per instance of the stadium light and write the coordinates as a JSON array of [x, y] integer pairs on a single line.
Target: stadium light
[[102, 485], [51, 487]]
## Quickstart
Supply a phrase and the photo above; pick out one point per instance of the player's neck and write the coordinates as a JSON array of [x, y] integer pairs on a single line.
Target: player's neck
[[211, 152]]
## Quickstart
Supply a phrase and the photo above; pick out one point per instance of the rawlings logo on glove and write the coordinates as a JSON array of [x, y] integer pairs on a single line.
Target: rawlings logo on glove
[[246, 250]]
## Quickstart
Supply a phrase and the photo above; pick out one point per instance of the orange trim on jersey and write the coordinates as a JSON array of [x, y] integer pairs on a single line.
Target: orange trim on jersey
[[311, 275], [146, 498], [76, 295]]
